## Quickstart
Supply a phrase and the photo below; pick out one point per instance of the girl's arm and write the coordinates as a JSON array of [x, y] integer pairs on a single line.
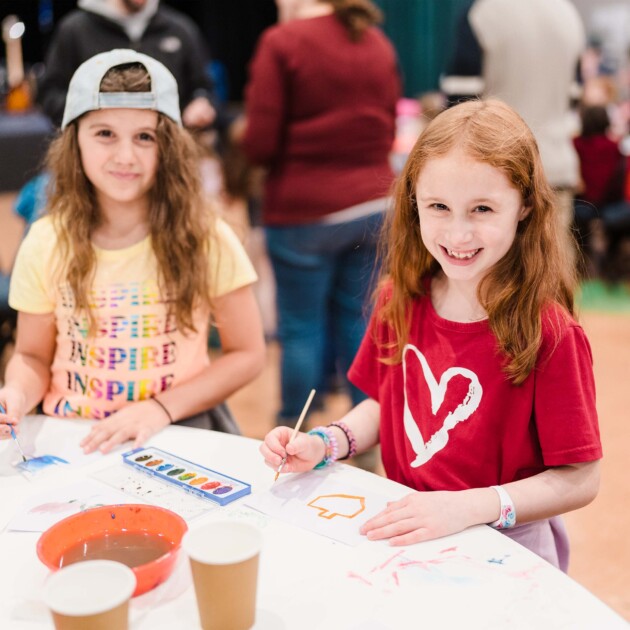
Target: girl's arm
[[306, 451], [426, 515], [27, 375], [243, 357]]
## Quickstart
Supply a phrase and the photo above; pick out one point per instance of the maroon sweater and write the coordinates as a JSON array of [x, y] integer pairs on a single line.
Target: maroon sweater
[[321, 117]]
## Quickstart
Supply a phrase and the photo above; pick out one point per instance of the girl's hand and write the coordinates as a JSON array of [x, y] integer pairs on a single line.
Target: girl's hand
[[305, 452], [14, 403], [419, 516], [136, 422]]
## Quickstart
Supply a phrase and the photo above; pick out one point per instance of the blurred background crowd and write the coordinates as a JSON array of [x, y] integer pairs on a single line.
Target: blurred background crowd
[[443, 50]]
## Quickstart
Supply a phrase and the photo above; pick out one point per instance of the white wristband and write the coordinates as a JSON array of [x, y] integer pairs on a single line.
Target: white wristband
[[507, 516]]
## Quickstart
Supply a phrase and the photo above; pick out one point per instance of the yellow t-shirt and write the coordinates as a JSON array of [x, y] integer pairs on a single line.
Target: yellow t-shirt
[[137, 351]]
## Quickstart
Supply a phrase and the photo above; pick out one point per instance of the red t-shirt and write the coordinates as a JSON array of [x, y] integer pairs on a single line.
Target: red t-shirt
[[450, 418]]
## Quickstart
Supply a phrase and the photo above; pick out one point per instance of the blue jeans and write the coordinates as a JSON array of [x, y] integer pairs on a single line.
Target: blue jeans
[[324, 277]]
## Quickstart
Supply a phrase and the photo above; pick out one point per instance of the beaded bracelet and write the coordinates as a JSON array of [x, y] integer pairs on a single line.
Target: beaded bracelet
[[332, 447], [507, 517], [352, 442]]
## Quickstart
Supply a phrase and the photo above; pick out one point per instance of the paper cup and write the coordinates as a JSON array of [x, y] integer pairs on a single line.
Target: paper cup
[[224, 562], [93, 594]]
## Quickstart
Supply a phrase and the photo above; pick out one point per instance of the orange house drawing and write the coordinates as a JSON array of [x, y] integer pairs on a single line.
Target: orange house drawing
[[342, 505]]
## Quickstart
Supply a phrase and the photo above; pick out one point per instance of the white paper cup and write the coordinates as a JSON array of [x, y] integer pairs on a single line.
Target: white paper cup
[[224, 563], [93, 594]]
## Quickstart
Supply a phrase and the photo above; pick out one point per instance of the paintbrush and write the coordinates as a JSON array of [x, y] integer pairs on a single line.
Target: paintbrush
[[295, 431], [13, 434]]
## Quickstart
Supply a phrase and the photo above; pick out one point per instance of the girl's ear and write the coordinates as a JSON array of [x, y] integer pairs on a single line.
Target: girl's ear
[[524, 213]]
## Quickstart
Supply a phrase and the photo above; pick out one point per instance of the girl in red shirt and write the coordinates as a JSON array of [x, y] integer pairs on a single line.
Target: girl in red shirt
[[479, 380]]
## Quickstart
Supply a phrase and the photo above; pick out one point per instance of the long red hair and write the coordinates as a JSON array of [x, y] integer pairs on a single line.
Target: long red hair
[[538, 269]]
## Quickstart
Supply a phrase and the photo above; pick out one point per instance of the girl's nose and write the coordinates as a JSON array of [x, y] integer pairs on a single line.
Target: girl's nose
[[125, 153], [460, 230]]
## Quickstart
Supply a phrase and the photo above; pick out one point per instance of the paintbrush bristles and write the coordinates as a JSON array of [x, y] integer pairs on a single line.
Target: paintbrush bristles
[[282, 463]]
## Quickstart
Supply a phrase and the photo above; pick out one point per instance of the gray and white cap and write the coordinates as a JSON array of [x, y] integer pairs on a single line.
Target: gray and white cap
[[84, 93]]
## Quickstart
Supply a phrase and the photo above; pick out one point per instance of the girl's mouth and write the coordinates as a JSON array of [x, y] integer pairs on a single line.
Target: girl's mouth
[[461, 255], [124, 175]]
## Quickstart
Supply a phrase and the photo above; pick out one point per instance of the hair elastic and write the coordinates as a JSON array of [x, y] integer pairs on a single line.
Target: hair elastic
[[352, 442], [332, 447], [166, 411], [507, 517]]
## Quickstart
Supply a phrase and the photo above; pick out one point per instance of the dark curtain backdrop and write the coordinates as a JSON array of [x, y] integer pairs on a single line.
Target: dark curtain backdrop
[[230, 27], [422, 31]]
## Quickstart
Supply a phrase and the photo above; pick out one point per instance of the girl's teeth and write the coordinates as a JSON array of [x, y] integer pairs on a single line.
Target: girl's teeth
[[460, 255]]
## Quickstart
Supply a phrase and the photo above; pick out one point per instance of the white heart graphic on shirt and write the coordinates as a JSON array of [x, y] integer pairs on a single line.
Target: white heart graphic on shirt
[[425, 450]]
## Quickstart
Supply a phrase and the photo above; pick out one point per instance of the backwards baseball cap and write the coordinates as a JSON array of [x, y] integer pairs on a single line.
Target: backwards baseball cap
[[84, 93]]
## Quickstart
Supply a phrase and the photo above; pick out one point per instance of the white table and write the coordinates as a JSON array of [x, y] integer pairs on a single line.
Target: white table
[[475, 579]]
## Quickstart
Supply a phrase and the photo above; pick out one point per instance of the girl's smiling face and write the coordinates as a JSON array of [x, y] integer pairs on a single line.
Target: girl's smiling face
[[469, 212], [119, 154]]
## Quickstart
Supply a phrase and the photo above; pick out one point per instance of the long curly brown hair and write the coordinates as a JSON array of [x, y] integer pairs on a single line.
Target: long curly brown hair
[[181, 224], [538, 269]]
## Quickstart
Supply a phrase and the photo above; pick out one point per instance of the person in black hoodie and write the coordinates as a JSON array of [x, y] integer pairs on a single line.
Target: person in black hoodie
[[143, 25]]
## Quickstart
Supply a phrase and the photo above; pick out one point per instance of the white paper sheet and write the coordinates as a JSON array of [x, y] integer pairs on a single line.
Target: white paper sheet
[[43, 510], [148, 490], [64, 450], [320, 502]]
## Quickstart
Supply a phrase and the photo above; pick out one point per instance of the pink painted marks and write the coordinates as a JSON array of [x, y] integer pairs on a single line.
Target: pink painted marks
[[382, 566], [355, 576]]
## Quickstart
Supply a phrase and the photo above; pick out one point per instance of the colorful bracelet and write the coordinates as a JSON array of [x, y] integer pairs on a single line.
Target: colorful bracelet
[[332, 447], [507, 517], [166, 411], [352, 442]]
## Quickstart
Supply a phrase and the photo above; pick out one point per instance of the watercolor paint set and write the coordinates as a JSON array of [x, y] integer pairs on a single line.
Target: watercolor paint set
[[193, 478]]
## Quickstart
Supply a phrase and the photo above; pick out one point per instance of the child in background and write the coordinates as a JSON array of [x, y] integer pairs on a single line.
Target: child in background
[[602, 166], [602, 216], [116, 287], [601, 183], [480, 382]]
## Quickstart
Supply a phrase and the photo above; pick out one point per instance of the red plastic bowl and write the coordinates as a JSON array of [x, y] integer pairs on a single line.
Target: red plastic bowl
[[113, 519]]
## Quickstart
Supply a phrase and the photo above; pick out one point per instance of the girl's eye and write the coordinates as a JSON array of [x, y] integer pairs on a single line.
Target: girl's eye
[[146, 137], [483, 209], [104, 133], [438, 206]]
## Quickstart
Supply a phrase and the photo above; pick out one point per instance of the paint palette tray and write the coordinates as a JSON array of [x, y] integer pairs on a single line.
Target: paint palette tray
[[193, 478]]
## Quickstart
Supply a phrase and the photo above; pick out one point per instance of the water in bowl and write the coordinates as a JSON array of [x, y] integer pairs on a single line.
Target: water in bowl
[[130, 548]]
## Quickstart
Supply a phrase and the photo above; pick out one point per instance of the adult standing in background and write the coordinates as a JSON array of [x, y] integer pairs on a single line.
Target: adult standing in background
[[320, 115], [526, 54], [142, 25]]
